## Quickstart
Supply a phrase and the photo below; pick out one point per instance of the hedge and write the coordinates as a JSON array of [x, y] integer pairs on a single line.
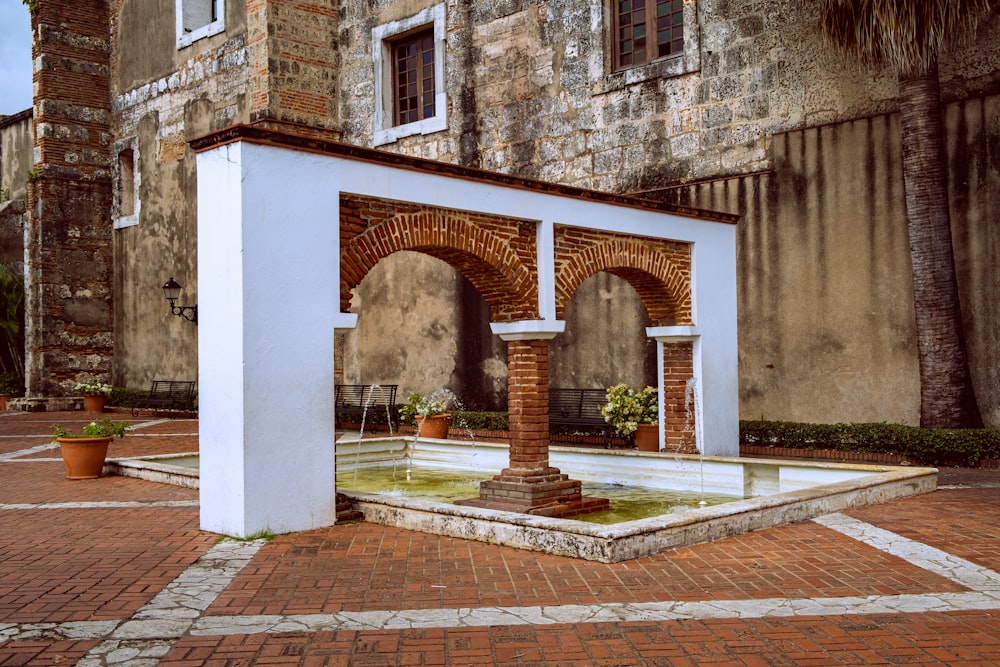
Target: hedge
[[934, 447]]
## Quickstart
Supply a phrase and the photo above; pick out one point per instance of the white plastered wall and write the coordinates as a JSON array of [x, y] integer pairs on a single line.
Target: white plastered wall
[[268, 277]]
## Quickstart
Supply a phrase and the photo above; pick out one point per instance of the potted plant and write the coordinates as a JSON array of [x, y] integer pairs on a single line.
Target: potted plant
[[84, 453], [10, 385], [95, 394], [428, 415], [630, 410]]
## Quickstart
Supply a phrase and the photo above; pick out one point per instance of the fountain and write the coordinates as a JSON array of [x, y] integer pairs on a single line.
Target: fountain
[[774, 492]]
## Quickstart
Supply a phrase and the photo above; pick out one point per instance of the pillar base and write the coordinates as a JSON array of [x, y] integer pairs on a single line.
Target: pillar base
[[549, 493]]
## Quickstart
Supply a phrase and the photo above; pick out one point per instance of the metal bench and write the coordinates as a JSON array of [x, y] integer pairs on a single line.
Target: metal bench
[[168, 395], [352, 400], [579, 408]]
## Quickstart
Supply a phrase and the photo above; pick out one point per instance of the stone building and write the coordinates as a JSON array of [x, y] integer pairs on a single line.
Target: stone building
[[16, 139], [740, 108]]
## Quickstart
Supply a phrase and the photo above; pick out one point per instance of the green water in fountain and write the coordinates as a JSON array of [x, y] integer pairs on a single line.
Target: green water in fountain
[[628, 503]]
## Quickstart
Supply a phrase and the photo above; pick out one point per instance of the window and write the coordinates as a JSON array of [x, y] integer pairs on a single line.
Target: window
[[409, 76], [649, 39], [126, 181], [197, 19], [646, 30], [413, 77]]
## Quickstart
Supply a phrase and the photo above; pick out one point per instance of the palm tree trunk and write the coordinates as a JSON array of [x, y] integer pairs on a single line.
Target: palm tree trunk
[[947, 399]]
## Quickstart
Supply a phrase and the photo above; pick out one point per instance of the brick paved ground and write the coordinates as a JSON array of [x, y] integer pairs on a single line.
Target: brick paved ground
[[91, 573]]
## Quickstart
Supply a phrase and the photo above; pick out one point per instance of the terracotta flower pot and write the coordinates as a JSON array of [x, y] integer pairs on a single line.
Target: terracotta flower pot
[[433, 426], [84, 457], [94, 402], [647, 438]]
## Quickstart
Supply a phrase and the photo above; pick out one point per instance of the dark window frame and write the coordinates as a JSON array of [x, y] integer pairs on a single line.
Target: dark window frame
[[631, 19], [413, 86]]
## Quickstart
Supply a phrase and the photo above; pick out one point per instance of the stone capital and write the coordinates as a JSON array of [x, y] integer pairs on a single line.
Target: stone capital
[[528, 329]]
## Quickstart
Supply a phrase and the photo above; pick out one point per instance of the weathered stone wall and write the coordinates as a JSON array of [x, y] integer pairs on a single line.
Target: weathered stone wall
[[605, 339], [163, 97], [760, 107], [531, 90], [16, 141], [768, 125], [825, 293]]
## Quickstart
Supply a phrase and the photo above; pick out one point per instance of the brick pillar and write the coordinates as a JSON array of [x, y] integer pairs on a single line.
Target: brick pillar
[[529, 484], [293, 53], [528, 408], [679, 416], [69, 306]]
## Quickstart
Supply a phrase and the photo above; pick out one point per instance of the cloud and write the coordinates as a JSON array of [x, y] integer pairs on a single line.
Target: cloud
[[15, 57]]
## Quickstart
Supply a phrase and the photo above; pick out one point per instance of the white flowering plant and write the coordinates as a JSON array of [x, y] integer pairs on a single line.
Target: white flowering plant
[[104, 428], [424, 406], [628, 407], [92, 388]]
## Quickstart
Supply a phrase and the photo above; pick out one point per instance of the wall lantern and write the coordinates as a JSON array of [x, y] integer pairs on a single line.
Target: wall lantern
[[172, 290]]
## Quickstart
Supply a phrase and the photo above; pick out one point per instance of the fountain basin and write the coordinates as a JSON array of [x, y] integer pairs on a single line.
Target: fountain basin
[[176, 469], [779, 492], [776, 492]]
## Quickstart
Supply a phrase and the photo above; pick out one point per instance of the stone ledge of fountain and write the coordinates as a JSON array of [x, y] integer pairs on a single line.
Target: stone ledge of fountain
[[151, 469], [633, 539]]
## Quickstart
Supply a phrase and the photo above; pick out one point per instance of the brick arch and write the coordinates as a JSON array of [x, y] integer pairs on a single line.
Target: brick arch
[[496, 255], [659, 270]]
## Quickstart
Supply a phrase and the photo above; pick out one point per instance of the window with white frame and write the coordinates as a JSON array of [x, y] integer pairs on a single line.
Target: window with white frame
[[199, 18], [126, 181], [409, 76]]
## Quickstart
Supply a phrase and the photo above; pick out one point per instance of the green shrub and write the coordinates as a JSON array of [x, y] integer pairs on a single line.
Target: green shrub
[[936, 447], [480, 421], [124, 397]]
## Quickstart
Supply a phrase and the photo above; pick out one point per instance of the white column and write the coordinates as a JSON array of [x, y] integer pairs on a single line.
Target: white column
[[268, 267]]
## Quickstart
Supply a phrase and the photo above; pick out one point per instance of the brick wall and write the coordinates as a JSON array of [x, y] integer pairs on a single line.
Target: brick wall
[[69, 305], [496, 255], [659, 270]]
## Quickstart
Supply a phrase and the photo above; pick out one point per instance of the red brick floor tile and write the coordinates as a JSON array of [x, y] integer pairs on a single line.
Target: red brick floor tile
[[93, 564], [750, 642], [43, 653], [368, 567]]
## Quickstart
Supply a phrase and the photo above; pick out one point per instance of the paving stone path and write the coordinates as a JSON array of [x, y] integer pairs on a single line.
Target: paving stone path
[[116, 572]]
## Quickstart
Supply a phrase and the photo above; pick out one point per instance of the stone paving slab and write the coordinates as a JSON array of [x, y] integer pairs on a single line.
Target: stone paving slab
[[909, 582], [965, 522]]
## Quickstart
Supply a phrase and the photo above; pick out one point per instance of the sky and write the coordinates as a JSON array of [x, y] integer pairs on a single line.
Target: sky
[[15, 57]]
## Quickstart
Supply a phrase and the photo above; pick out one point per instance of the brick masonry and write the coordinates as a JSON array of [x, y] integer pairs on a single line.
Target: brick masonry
[[293, 62], [496, 255], [659, 270], [69, 304]]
